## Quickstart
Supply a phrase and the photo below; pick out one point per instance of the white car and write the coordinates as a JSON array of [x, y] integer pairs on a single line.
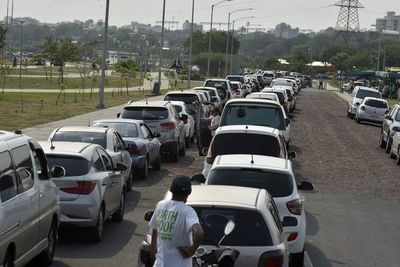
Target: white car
[[29, 202], [358, 95], [238, 91], [390, 121], [187, 119], [246, 139], [276, 176], [282, 95], [261, 95], [259, 112], [257, 234], [215, 99], [291, 98], [395, 148], [372, 109]]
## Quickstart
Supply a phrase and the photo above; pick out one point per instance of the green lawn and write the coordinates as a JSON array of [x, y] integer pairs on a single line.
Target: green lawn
[[24, 110]]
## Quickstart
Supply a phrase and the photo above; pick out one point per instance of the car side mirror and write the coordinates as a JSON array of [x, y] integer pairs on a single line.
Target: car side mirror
[[396, 129], [214, 99], [357, 104], [388, 118], [148, 215], [307, 186], [121, 167], [57, 172], [184, 118], [287, 121], [118, 115], [192, 112], [290, 116], [198, 179], [156, 134], [292, 154]]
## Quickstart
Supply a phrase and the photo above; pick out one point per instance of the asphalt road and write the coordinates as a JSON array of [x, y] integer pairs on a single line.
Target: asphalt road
[[352, 216]]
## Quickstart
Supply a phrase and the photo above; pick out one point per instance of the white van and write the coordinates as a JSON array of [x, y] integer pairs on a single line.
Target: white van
[[29, 202]]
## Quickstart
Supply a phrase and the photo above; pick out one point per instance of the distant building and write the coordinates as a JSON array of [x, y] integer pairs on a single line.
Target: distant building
[[113, 57], [285, 31], [196, 27], [391, 22]]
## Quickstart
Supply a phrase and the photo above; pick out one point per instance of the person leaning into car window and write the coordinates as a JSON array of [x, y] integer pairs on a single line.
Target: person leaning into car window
[[176, 231], [215, 120]]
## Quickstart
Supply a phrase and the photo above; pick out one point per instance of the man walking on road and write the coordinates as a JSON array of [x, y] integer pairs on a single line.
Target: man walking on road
[[176, 231]]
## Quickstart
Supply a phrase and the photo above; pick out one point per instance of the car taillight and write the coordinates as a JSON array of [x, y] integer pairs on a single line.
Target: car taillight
[[211, 153], [271, 259], [168, 125], [83, 188], [362, 108], [133, 149], [295, 206], [292, 236]]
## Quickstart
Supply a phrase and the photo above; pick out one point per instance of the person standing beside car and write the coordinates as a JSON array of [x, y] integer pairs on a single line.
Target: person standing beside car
[[215, 120], [176, 231]]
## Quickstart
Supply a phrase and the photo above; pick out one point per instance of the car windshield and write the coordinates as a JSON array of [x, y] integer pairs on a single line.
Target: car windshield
[[367, 93], [236, 79], [85, 137], [268, 75], [74, 166], [376, 103], [216, 84], [187, 98], [145, 113], [277, 184], [248, 223], [246, 143], [124, 129], [261, 115]]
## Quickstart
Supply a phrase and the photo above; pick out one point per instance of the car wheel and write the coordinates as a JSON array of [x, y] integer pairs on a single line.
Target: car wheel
[[398, 156], [382, 142], [187, 141], [9, 259], [157, 163], [96, 232], [144, 172], [175, 153], [129, 182], [388, 144], [118, 216], [182, 150], [358, 120], [47, 255], [297, 259]]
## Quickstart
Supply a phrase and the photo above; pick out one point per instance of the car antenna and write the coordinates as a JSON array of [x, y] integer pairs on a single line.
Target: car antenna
[[52, 147], [252, 159]]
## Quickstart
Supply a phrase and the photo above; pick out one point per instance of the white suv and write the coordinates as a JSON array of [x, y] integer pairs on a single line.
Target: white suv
[[276, 176], [29, 202], [358, 95]]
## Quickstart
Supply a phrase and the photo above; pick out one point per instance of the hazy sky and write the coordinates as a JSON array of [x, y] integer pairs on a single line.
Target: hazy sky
[[305, 14]]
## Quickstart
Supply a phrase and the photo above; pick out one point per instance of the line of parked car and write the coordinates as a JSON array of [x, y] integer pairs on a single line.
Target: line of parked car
[[367, 105], [248, 176]]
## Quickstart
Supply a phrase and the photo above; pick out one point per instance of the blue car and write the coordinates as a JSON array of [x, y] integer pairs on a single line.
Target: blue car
[[142, 145]]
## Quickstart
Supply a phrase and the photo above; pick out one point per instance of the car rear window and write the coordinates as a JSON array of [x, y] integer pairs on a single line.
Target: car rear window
[[212, 92], [178, 108], [248, 223], [367, 93], [235, 86], [85, 137], [124, 129], [236, 79], [277, 184], [261, 115], [280, 95], [145, 113], [216, 84], [268, 75], [74, 166], [187, 98], [376, 103], [245, 143]]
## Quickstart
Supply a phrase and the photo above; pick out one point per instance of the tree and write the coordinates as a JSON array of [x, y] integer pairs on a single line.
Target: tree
[[127, 70]]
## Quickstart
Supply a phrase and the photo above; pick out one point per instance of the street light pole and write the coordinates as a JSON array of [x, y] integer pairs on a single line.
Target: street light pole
[[227, 36], [190, 49], [233, 33], [20, 55], [210, 35], [103, 60], [157, 90]]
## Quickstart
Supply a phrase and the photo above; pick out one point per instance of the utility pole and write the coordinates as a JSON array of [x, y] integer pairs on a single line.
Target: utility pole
[[103, 60], [190, 49], [20, 55], [156, 90]]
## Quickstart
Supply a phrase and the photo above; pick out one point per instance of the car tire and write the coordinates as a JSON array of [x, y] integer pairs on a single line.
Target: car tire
[[182, 150], [143, 173], [358, 120], [96, 233], [388, 144], [46, 256], [398, 156], [174, 156], [297, 259], [187, 141], [157, 163], [129, 182], [8, 259], [382, 142], [118, 216]]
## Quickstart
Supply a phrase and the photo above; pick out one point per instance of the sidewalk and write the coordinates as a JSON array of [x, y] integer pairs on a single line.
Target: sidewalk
[[345, 96]]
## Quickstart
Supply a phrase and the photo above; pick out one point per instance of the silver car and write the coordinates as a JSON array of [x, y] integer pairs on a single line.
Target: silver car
[[29, 202], [257, 234], [93, 188], [108, 138], [160, 117], [372, 109]]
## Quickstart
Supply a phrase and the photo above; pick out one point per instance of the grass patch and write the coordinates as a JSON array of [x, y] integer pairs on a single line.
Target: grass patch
[[183, 84], [24, 110]]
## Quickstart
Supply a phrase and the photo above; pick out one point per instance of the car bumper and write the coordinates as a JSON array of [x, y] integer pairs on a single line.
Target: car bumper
[[297, 245], [168, 147], [81, 212], [370, 117], [138, 162]]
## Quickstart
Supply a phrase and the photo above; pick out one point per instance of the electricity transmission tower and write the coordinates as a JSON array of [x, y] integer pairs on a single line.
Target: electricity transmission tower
[[348, 22]]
